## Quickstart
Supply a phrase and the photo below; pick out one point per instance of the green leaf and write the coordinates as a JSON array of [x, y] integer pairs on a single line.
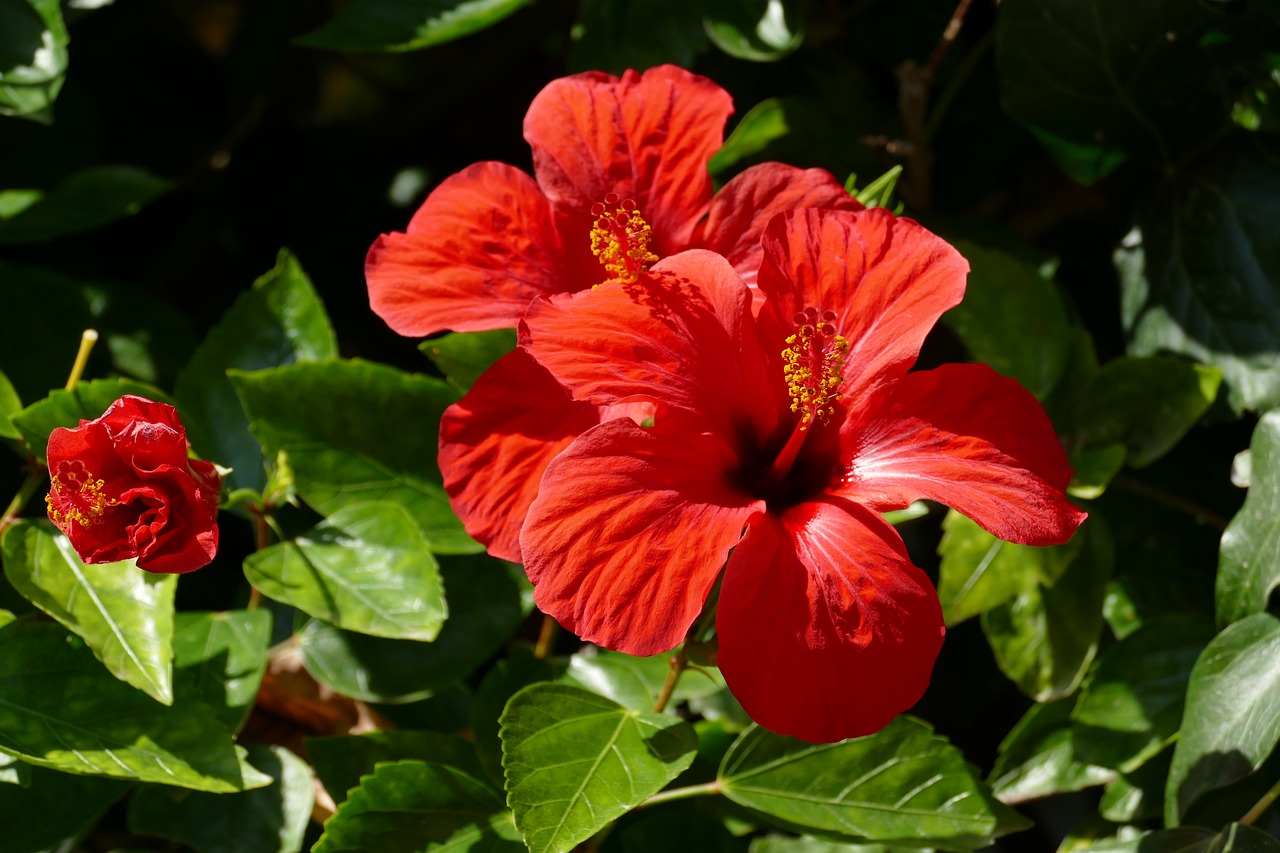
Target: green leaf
[[1013, 319], [634, 682], [341, 761], [1105, 77], [265, 820], [463, 356], [342, 427], [503, 680], [1137, 796], [764, 123], [378, 25], [1146, 404], [1038, 757], [411, 806], [1045, 638], [86, 200], [60, 709], [87, 401], [33, 58], [576, 761], [55, 806], [366, 568], [788, 844], [1232, 717], [221, 658], [280, 321], [13, 770], [1249, 562], [1191, 235], [755, 30], [614, 35], [10, 405], [1095, 468], [123, 614], [1234, 838], [903, 783], [1131, 704], [485, 605], [979, 571]]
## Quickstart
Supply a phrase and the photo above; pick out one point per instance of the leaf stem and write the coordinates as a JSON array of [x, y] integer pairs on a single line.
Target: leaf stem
[[546, 635], [1160, 496], [35, 476], [88, 338], [1262, 805], [679, 662], [682, 793]]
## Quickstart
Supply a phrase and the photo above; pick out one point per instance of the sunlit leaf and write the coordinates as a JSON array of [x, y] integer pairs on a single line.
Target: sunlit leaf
[[903, 783], [755, 30], [33, 57], [463, 356], [10, 405], [1038, 757], [575, 761], [265, 820], [87, 401], [636, 682], [124, 615], [279, 321], [222, 658], [1249, 562], [376, 25], [60, 709], [762, 124], [341, 761], [366, 568], [504, 679]]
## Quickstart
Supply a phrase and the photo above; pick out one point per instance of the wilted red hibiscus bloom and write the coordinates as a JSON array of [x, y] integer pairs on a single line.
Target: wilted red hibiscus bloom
[[778, 442], [123, 486], [621, 180]]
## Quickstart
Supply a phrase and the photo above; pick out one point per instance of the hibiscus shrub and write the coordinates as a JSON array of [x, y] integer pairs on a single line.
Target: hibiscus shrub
[[757, 426]]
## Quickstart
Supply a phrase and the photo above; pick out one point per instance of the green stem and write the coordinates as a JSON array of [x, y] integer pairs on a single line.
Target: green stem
[[35, 477], [546, 636], [682, 793], [678, 664], [1262, 805]]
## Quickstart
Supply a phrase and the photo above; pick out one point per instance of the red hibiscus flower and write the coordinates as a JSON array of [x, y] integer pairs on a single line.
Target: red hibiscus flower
[[619, 163], [778, 442], [123, 487]]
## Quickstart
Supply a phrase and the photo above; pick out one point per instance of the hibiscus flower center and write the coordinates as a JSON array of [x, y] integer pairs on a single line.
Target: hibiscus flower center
[[76, 496], [620, 238], [812, 365]]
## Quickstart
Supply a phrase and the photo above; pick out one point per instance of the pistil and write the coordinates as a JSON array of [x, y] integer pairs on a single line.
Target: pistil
[[620, 238], [813, 364]]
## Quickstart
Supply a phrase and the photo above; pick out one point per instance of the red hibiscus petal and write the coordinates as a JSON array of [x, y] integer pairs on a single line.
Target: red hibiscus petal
[[646, 137], [496, 442], [629, 530], [739, 213], [682, 335], [965, 436], [826, 630], [887, 279], [480, 248]]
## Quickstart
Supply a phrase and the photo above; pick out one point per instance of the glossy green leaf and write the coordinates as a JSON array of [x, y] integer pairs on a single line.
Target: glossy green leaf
[[265, 820], [979, 571], [341, 761], [1131, 704], [504, 679], [1012, 318], [33, 57], [1212, 226], [761, 125], [903, 783], [1232, 718], [341, 425], [1249, 562], [1045, 638], [13, 770], [1137, 796], [10, 405], [463, 356], [280, 321], [221, 658], [411, 806], [485, 605], [86, 200], [1038, 757], [1146, 404], [87, 401], [636, 682], [576, 761], [605, 34], [124, 615], [377, 25], [1234, 838], [755, 30], [1104, 77], [55, 806], [366, 568], [60, 709]]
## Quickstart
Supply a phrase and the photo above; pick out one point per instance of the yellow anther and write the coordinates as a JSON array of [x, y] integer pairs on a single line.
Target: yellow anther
[[79, 497], [813, 364], [620, 238]]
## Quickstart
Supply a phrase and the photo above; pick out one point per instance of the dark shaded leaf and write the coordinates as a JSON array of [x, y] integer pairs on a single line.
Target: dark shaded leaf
[[377, 25], [1038, 757], [341, 761], [54, 806], [85, 200], [614, 35], [222, 657]]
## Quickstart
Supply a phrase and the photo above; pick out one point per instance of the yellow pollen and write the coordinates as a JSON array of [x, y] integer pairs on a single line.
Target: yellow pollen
[[813, 362], [79, 497], [620, 238]]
